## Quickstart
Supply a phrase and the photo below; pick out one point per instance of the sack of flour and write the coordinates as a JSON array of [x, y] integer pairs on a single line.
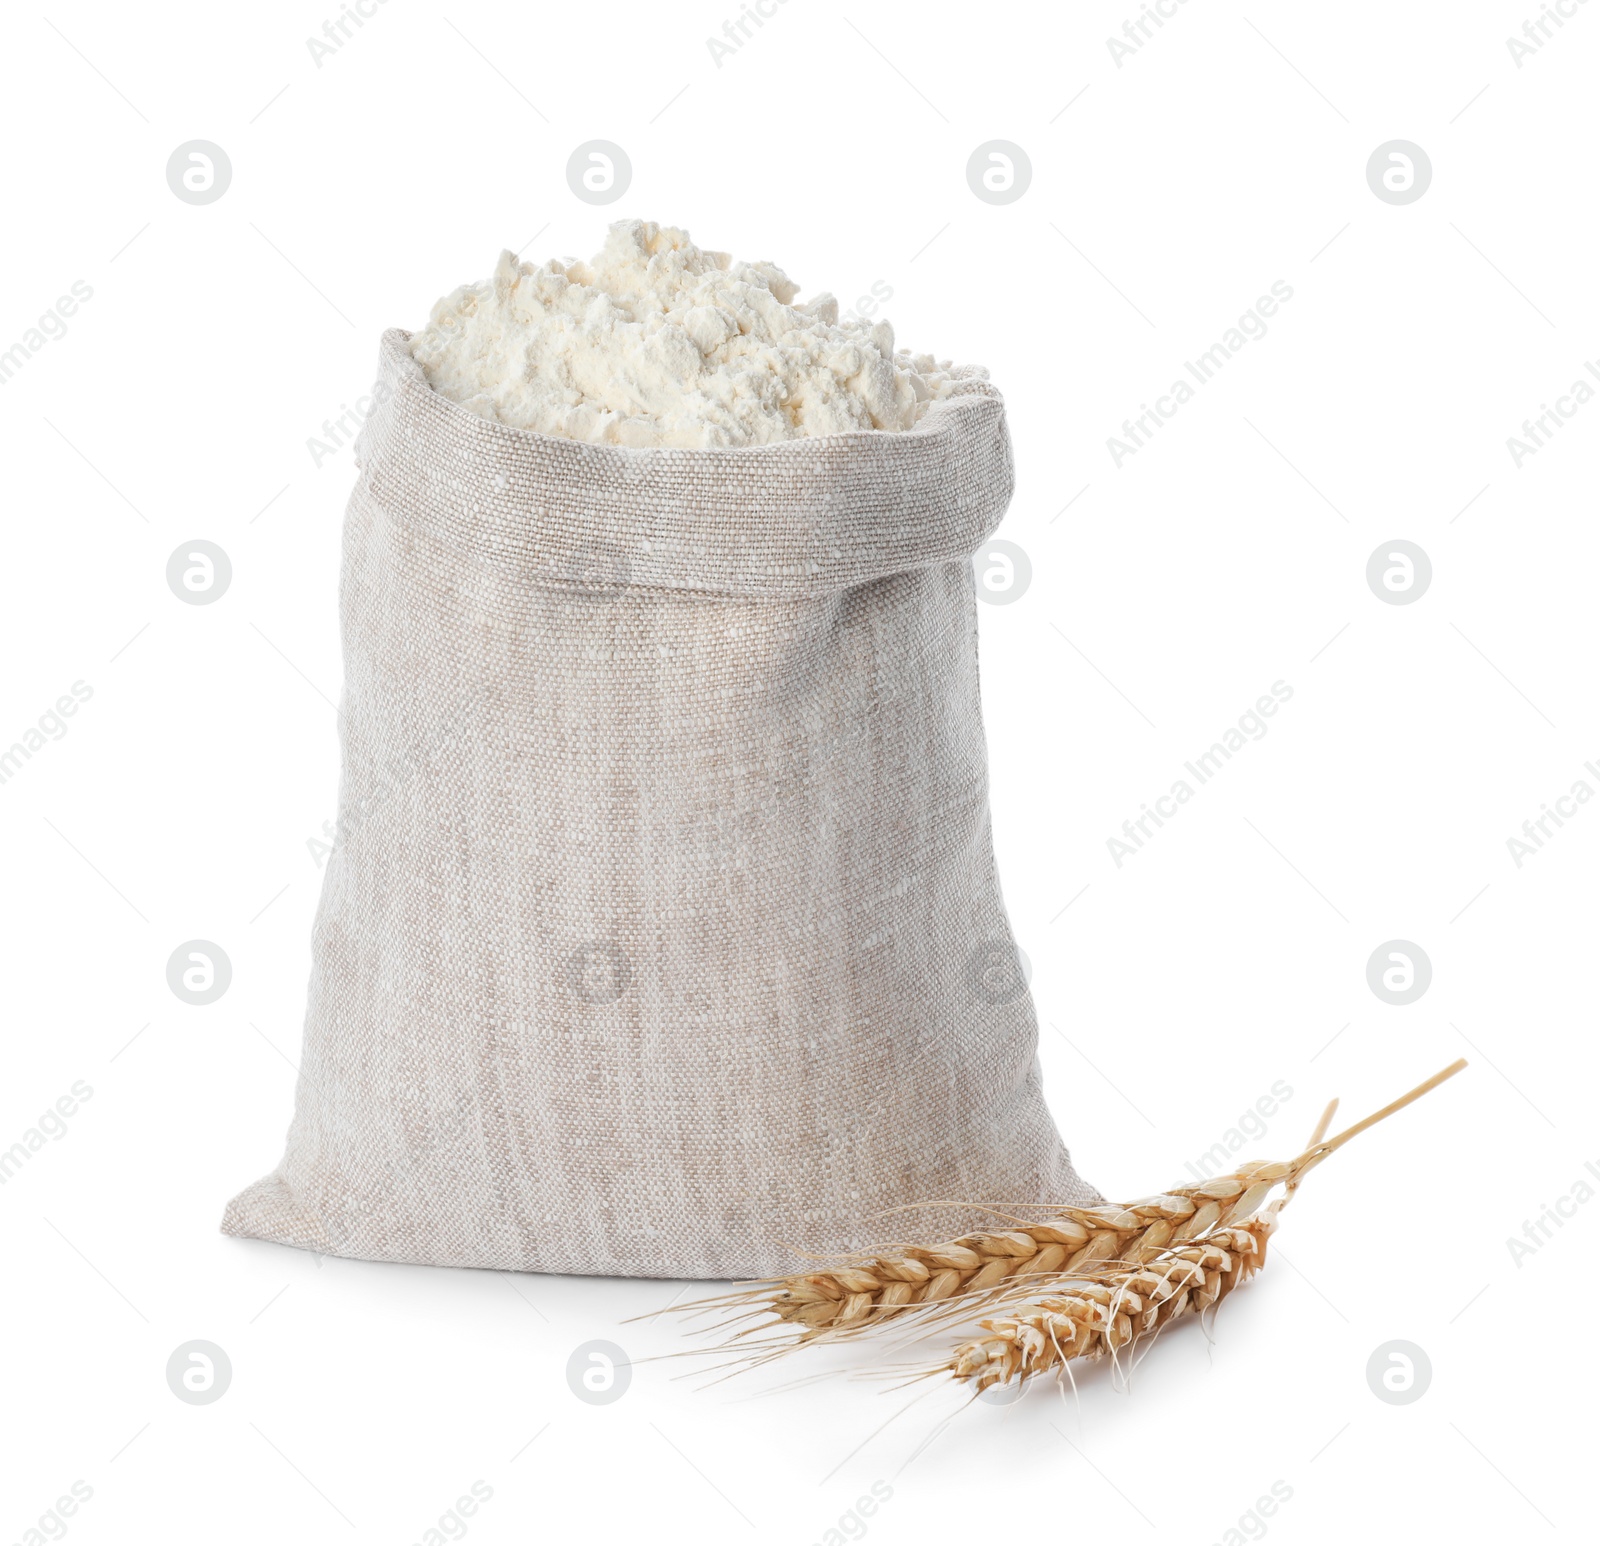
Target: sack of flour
[[661, 936]]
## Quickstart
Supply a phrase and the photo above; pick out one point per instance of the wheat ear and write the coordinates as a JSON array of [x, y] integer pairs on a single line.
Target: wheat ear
[[1083, 1282], [861, 1293]]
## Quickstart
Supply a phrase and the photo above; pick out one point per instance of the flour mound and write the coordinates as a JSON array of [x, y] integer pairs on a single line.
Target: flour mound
[[657, 343]]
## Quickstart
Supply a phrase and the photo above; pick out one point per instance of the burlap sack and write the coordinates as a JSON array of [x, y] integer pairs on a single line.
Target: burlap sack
[[662, 935]]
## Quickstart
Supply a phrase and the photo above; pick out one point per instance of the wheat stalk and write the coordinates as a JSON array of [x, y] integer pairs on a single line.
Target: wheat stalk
[[1085, 1283]]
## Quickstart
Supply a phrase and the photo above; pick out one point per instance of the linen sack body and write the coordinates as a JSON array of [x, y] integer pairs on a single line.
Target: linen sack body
[[661, 934]]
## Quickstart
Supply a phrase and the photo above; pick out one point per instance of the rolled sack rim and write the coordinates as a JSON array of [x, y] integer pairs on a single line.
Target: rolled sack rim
[[802, 517]]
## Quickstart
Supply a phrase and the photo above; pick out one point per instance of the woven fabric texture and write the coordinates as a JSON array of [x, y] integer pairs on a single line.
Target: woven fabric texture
[[661, 936]]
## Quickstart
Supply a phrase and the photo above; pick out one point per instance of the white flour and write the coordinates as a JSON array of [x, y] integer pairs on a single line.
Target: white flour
[[656, 343]]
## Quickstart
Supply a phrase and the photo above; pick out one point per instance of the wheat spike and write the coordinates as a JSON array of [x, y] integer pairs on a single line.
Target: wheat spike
[[862, 1293], [1095, 1318], [1084, 1283]]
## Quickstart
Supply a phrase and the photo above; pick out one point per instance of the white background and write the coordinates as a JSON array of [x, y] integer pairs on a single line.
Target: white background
[[1168, 594]]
